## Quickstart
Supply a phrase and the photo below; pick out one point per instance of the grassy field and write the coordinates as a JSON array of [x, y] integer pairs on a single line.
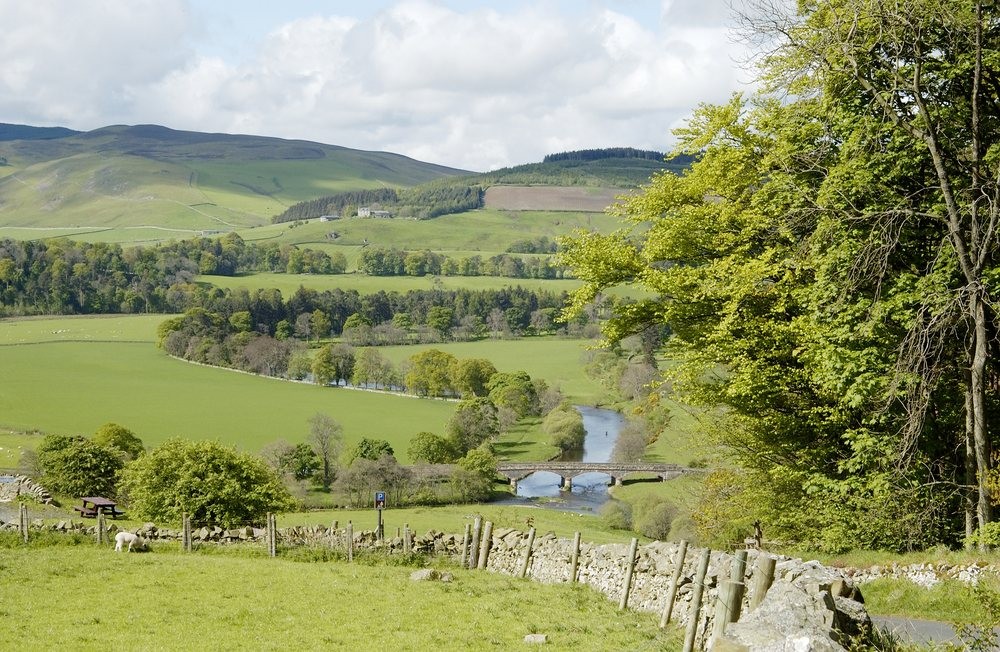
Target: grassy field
[[70, 375], [167, 600], [559, 362], [484, 231]]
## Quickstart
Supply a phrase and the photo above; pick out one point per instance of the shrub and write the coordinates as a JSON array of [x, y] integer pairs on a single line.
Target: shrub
[[565, 429], [78, 466], [617, 515], [214, 484], [655, 522]]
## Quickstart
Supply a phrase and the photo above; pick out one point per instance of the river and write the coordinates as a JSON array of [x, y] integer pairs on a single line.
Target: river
[[590, 490]]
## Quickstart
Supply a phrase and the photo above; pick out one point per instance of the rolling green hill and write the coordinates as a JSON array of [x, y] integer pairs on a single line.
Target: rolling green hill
[[181, 182]]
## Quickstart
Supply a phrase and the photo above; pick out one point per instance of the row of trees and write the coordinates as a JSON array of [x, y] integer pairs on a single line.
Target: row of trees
[[608, 152], [417, 315], [833, 252], [218, 485], [383, 261], [64, 277], [422, 202]]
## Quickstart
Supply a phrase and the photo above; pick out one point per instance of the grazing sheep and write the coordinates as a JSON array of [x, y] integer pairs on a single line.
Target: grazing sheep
[[131, 541]]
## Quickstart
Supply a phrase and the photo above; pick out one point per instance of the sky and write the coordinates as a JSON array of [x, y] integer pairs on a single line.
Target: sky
[[474, 84]]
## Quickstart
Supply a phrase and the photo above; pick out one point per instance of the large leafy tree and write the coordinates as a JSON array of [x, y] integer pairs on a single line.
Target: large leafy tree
[[826, 269], [429, 373], [213, 483], [474, 423], [78, 466]]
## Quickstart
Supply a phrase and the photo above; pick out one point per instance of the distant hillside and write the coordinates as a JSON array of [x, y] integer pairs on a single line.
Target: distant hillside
[[181, 182], [584, 180], [25, 132]]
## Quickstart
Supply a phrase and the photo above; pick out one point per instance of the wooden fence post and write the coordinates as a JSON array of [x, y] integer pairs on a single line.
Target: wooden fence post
[[186, 542], [527, 553], [737, 574], [350, 541], [23, 525], [484, 547], [629, 569], [465, 545], [575, 559], [102, 528], [272, 535], [728, 592], [474, 544], [763, 575], [699, 587], [406, 538], [674, 582]]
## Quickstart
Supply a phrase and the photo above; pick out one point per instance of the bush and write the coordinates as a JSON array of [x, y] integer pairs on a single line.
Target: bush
[[78, 466], [617, 515], [214, 484], [655, 523], [565, 429]]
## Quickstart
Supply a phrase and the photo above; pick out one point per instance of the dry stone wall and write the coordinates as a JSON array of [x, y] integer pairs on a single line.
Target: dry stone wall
[[13, 486]]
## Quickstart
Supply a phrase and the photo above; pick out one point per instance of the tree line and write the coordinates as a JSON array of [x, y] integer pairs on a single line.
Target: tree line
[[608, 152], [218, 485], [65, 277], [389, 261]]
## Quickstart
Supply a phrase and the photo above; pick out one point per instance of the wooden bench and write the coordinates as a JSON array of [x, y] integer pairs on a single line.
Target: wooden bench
[[91, 504]]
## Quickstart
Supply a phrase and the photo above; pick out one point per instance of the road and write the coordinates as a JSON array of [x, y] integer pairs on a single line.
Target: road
[[922, 632]]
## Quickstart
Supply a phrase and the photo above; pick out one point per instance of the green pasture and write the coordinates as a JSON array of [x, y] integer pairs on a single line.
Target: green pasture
[[166, 600], [483, 231], [364, 284], [81, 328], [12, 444], [73, 382], [559, 362]]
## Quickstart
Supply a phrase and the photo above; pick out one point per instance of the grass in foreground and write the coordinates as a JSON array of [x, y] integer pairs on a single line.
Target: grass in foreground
[[166, 600]]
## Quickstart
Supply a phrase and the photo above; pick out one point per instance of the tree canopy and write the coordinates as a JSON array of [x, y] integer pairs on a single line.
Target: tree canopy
[[214, 484], [827, 269]]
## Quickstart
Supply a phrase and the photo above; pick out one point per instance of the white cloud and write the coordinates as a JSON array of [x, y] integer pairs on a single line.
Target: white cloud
[[477, 88], [71, 61]]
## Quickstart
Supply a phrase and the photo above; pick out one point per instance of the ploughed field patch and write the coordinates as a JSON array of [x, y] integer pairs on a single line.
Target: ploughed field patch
[[550, 198]]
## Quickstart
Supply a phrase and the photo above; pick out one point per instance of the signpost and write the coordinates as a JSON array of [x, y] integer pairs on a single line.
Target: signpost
[[379, 505]]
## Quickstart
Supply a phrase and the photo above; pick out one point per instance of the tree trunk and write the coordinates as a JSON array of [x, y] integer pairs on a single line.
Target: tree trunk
[[978, 391], [968, 493]]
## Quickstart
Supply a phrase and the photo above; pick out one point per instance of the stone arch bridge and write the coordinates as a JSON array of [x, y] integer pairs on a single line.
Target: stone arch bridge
[[515, 471]]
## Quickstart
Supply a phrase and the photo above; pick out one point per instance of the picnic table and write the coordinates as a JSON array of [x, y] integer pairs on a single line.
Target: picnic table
[[93, 503]]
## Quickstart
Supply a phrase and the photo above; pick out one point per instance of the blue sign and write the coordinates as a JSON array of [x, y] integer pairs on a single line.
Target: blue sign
[[379, 500]]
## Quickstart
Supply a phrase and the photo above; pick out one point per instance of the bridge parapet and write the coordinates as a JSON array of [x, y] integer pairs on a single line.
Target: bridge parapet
[[515, 471]]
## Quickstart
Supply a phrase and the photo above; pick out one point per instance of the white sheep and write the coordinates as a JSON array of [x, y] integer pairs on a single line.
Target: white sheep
[[129, 540]]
